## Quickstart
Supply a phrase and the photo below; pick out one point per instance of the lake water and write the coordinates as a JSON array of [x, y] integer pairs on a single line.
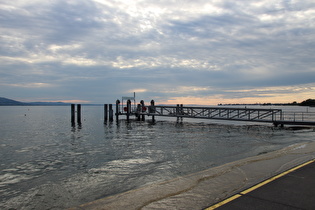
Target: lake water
[[46, 163]]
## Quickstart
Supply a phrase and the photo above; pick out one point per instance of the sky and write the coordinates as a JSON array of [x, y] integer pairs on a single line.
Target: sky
[[173, 51]]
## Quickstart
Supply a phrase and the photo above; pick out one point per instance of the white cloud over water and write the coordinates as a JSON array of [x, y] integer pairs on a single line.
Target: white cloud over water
[[174, 51]]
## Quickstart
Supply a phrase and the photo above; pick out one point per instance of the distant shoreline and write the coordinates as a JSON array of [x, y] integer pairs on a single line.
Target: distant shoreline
[[10, 102], [40, 104], [308, 102], [262, 104]]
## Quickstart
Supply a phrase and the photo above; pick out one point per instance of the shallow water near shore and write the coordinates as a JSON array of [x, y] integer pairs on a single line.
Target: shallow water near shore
[[48, 164]]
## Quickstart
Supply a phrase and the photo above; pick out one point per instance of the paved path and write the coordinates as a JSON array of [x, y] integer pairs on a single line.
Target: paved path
[[293, 189]]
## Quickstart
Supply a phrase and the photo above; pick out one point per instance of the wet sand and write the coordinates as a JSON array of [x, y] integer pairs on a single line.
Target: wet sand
[[204, 188]]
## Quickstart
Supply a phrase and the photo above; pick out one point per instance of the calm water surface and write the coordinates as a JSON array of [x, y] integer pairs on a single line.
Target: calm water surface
[[48, 164]]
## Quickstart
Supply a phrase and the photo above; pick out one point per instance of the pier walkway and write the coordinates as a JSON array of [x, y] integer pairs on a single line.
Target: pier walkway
[[274, 116]]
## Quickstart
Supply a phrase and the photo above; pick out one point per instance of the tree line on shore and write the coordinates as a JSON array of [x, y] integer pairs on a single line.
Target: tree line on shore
[[308, 102]]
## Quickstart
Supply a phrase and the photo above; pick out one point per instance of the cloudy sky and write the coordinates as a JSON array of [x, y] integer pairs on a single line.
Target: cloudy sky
[[173, 51]]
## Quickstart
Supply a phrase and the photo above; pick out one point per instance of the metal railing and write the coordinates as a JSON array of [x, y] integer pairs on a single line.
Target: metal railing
[[240, 114], [298, 116]]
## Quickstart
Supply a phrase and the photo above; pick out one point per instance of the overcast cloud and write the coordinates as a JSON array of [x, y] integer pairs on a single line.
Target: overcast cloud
[[202, 51]]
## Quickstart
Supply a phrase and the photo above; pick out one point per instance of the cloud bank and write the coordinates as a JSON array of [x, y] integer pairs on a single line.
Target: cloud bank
[[204, 52]]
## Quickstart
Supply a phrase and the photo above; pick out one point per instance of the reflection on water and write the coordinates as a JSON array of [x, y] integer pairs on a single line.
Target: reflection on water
[[48, 163]]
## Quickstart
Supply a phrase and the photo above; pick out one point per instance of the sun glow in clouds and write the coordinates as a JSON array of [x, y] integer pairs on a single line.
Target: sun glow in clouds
[[33, 85]]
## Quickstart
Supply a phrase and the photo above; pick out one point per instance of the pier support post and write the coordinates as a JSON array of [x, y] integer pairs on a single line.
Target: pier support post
[[181, 112], [72, 114], [128, 109], [117, 109], [111, 116], [138, 115], [152, 110], [142, 110], [105, 113], [79, 114], [177, 112]]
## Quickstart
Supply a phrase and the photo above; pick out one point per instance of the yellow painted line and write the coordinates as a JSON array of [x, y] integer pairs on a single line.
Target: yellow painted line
[[224, 202], [257, 186], [275, 177]]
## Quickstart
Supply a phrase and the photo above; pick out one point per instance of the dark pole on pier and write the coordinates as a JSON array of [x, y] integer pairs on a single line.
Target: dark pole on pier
[[142, 110], [152, 110], [138, 112], [177, 112], [117, 109], [105, 113], [128, 109], [111, 116], [79, 114], [181, 112], [73, 114]]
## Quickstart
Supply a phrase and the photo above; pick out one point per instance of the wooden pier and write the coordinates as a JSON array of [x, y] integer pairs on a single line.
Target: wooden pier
[[274, 116]]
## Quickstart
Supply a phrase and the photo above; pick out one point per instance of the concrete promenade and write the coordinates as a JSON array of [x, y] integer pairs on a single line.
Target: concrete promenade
[[206, 188], [293, 189]]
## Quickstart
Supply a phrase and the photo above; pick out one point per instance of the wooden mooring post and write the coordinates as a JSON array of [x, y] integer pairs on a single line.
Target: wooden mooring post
[[117, 109], [181, 112], [177, 112], [79, 114], [105, 113], [143, 109], [152, 110], [138, 112], [111, 113], [128, 109], [72, 114], [108, 113]]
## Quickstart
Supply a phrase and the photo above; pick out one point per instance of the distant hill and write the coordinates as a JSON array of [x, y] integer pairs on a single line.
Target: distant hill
[[308, 102], [10, 102]]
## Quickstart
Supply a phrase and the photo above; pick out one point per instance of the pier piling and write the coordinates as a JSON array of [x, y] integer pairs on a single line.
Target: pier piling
[[117, 109], [143, 109], [111, 116], [128, 109], [177, 112], [152, 110], [105, 113], [181, 112], [73, 114], [79, 114], [138, 112]]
